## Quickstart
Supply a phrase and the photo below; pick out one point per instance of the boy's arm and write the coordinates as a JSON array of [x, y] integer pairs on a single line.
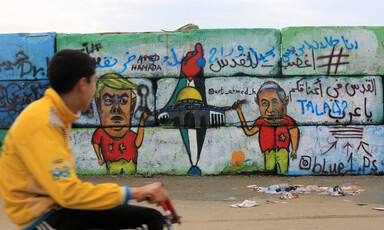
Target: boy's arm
[[51, 164]]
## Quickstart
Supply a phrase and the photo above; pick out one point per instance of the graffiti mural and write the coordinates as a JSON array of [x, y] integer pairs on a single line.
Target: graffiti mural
[[337, 150], [188, 109], [163, 152], [16, 95], [312, 100], [115, 143], [332, 51], [25, 56], [301, 101], [334, 150], [227, 52], [277, 131], [145, 100], [184, 107]]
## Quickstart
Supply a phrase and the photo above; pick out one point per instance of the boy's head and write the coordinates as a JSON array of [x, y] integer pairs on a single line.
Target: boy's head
[[67, 67]]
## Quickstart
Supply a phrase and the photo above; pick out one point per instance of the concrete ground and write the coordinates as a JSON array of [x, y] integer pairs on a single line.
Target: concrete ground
[[204, 202]]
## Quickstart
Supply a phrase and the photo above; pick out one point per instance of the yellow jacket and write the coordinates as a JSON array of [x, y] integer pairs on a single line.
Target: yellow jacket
[[37, 170]]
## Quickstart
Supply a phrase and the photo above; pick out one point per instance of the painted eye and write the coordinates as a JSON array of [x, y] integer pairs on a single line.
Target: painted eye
[[122, 101], [108, 102]]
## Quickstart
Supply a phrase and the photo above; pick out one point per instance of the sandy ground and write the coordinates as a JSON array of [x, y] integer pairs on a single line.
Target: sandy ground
[[204, 202]]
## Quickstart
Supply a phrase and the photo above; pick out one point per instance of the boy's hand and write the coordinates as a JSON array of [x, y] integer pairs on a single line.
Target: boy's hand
[[153, 193]]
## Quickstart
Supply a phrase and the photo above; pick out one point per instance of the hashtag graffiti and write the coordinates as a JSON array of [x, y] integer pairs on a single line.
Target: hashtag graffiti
[[331, 62]]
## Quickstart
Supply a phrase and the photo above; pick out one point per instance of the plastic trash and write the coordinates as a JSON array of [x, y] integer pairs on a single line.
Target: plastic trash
[[147, 175], [336, 191], [312, 188], [352, 190], [262, 189], [288, 196], [272, 202], [278, 187], [253, 187], [351, 187], [245, 204]]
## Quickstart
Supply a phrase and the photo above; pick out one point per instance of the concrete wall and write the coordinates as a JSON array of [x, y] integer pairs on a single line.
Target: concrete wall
[[182, 89]]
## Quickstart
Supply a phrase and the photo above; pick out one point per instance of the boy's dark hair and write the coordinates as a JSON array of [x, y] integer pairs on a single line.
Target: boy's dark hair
[[67, 67]]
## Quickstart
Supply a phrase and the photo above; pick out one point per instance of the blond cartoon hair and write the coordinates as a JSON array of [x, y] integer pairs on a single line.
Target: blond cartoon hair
[[115, 81]]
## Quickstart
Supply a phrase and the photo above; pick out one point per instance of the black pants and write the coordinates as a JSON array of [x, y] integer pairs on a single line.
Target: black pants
[[120, 217]]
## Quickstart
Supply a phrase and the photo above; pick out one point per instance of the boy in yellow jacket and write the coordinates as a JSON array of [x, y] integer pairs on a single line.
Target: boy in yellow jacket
[[38, 184]]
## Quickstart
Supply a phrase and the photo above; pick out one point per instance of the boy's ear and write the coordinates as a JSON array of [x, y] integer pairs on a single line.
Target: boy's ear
[[83, 82]]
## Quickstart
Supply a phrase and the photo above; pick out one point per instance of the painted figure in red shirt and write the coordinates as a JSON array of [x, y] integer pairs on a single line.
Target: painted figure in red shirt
[[277, 131], [115, 143]]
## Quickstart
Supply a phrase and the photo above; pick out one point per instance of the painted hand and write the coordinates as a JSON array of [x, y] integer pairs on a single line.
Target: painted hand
[[293, 155], [193, 62], [237, 105]]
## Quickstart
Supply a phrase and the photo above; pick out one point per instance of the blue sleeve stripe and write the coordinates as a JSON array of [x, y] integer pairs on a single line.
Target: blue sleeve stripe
[[127, 195], [33, 226]]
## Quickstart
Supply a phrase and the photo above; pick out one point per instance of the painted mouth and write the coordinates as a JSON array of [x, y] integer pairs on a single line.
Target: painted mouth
[[272, 118], [117, 119], [116, 129]]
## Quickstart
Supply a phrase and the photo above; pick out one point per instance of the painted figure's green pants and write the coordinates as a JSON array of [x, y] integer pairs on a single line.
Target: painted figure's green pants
[[276, 157], [116, 167]]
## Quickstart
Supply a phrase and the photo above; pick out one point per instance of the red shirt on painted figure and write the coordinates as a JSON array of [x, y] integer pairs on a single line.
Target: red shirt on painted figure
[[113, 150], [274, 137]]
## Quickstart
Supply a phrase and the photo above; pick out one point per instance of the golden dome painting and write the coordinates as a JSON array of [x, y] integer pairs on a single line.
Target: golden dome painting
[[188, 93]]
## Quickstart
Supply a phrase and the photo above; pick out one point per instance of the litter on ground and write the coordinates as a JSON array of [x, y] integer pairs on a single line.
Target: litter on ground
[[245, 204], [291, 192]]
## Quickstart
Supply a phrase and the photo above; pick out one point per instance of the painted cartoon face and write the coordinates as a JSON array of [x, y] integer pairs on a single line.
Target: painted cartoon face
[[115, 110], [272, 109]]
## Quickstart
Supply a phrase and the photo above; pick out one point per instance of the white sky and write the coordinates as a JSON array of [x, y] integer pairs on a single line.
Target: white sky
[[97, 16]]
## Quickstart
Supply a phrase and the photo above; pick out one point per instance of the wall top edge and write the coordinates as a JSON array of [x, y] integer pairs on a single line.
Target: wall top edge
[[24, 34], [174, 32]]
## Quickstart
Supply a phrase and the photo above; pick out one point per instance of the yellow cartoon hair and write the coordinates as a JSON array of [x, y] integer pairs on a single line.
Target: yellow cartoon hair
[[116, 81]]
